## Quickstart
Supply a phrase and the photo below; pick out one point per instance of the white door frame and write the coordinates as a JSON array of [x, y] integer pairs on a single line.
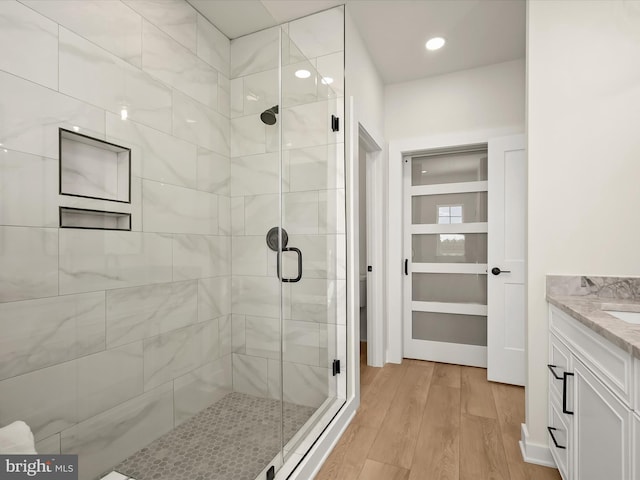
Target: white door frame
[[395, 255], [375, 247]]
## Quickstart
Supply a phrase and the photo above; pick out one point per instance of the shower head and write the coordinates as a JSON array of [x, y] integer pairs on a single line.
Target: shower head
[[268, 117]]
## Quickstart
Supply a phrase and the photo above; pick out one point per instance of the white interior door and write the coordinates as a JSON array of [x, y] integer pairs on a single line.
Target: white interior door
[[445, 245], [506, 260]]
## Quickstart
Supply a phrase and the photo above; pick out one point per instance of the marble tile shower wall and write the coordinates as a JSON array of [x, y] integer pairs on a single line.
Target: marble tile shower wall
[[110, 339], [313, 205]]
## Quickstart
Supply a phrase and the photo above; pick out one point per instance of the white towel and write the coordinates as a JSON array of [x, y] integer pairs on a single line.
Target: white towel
[[16, 438]]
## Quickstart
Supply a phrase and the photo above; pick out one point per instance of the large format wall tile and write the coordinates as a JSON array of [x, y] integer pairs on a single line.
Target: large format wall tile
[[225, 335], [331, 211], [165, 158], [28, 189], [109, 378], [43, 332], [224, 215], [196, 123], [305, 125], [249, 255], [324, 256], [298, 91], [248, 136], [318, 300], [305, 384], [167, 60], [200, 256], [108, 23], [106, 439], [213, 46], [224, 95], [214, 298], [214, 172], [319, 34], [261, 213], [255, 53], [250, 375], [262, 337], [315, 168], [201, 388], [28, 263], [260, 91], [332, 66], [300, 213], [31, 114], [255, 174], [45, 399], [174, 17], [259, 296], [141, 312], [301, 343], [178, 352], [102, 260], [37, 36], [114, 83], [168, 208]]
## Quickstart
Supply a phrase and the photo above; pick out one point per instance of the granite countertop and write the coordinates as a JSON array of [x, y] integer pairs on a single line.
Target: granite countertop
[[587, 298]]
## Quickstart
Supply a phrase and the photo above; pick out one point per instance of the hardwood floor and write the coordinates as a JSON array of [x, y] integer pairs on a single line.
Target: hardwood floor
[[432, 421]]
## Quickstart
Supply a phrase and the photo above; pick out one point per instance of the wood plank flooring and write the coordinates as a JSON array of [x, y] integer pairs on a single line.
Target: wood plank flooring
[[424, 420]]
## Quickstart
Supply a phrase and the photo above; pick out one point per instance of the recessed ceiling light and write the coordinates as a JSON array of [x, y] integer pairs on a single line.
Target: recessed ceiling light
[[435, 43], [253, 97], [190, 120], [124, 114], [303, 73], [76, 128], [327, 80], [423, 171]]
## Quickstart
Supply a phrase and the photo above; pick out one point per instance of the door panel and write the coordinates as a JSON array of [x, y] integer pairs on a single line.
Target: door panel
[[506, 260], [445, 240]]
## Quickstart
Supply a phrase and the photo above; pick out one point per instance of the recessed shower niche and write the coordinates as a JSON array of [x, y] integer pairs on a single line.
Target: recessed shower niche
[[94, 168]]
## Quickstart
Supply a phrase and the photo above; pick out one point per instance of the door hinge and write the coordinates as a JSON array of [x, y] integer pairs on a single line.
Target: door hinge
[[271, 473], [335, 123], [336, 367], [369, 268]]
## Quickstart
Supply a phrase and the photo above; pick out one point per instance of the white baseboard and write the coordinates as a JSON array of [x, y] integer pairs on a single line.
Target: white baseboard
[[537, 453]]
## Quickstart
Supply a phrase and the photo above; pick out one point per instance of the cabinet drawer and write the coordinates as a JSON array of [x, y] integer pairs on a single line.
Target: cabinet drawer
[[559, 436], [610, 363], [559, 364]]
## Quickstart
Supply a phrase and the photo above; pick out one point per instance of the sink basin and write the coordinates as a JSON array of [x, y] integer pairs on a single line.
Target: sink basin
[[629, 317]]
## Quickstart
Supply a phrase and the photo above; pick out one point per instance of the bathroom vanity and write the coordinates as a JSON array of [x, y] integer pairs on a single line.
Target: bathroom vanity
[[594, 377]]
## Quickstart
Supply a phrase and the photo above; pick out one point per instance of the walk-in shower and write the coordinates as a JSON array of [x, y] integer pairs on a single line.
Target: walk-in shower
[[159, 331]]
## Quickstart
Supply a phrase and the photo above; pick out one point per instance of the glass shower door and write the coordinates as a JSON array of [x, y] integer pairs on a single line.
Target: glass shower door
[[312, 262]]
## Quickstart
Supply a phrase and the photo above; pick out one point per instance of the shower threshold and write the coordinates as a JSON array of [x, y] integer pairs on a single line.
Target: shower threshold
[[233, 439]]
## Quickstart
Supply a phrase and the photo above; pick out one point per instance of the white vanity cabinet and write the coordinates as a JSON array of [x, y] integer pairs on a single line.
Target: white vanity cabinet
[[591, 398]]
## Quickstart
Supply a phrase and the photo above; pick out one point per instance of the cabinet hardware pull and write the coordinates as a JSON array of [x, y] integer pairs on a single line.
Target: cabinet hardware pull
[[555, 442], [555, 375], [565, 375]]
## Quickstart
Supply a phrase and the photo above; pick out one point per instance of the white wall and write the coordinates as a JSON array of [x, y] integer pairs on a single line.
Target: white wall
[[363, 81], [490, 97], [468, 106], [583, 118]]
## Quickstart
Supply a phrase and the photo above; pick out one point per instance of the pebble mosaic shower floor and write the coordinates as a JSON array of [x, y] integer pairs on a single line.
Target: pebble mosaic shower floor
[[233, 439]]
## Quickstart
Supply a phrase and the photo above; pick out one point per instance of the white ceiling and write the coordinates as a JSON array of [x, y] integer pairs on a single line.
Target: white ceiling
[[478, 32]]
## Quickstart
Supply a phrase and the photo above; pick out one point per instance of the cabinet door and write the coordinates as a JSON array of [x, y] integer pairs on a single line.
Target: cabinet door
[[602, 430]]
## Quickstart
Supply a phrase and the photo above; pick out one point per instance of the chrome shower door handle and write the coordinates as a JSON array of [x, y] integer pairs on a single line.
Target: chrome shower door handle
[[299, 276]]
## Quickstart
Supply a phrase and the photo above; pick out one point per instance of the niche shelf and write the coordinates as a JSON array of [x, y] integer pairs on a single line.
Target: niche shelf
[[93, 168], [94, 219]]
